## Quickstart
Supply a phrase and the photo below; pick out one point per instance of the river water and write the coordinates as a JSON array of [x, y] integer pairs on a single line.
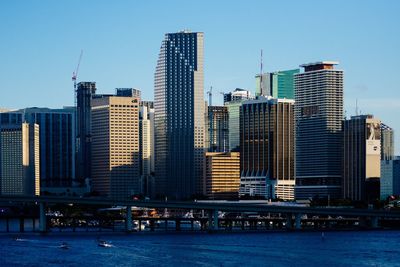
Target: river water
[[352, 248]]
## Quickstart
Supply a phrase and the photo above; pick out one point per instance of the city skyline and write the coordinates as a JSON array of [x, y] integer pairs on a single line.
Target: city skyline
[[36, 52]]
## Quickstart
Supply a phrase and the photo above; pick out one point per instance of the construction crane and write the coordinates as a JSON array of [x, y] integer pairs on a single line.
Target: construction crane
[[75, 73], [209, 93], [223, 97]]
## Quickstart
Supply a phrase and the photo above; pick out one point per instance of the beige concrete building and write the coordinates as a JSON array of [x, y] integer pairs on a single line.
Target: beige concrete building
[[146, 143], [115, 146], [222, 175], [19, 158]]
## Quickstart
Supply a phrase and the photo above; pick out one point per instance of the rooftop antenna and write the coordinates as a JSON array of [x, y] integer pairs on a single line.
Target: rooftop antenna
[[356, 107], [261, 73]]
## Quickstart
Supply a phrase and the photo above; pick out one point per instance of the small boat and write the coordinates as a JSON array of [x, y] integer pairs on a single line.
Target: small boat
[[104, 244], [64, 245]]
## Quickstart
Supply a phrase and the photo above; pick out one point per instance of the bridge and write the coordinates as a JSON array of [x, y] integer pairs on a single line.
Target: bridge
[[293, 214]]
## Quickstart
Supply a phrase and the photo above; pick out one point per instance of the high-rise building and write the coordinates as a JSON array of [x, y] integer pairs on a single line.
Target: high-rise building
[[84, 94], [222, 175], [218, 128], [132, 92], [180, 128], [390, 178], [57, 145], [319, 138], [267, 148], [361, 158], [233, 101], [19, 158], [279, 84], [387, 142], [115, 146], [146, 147], [237, 95]]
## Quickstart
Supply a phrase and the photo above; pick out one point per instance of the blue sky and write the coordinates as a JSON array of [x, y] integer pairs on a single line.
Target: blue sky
[[41, 42]]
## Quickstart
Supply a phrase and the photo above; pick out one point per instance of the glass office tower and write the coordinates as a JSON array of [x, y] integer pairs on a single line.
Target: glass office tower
[[319, 137], [180, 116]]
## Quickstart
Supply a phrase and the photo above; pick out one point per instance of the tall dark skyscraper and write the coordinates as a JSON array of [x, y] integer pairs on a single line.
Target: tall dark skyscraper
[[361, 158], [84, 94], [319, 138], [180, 116]]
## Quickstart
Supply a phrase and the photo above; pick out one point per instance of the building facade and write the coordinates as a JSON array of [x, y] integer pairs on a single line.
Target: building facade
[[218, 128], [222, 175], [319, 116], [84, 94], [146, 148], [19, 159], [390, 178], [387, 142], [131, 92], [180, 127], [237, 95], [279, 84], [115, 146], [57, 145], [267, 148], [361, 159]]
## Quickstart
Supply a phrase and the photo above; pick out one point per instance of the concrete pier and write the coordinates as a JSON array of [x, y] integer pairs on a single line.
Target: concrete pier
[[298, 221], [128, 219], [42, 218]]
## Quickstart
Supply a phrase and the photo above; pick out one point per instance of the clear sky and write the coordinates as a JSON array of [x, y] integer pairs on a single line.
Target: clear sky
[[41, 41]]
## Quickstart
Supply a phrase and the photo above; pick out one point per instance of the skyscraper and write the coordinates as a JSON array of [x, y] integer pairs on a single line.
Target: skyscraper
[[222, 175], [390, 178], [115, 146], [132, 92], [267, 148], [57, 145], [361, 158], [279, 84], [84, 94], [180, 116], [19, 159], [387, 142], [233, 101], [237, 95], [319, 116], [218, 129], [146, 147]]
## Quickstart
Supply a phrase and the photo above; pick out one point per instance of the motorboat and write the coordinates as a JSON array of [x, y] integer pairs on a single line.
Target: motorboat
[[104, 244], [64, 245]]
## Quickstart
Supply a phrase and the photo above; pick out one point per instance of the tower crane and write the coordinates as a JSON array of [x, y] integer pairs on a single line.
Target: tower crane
[[75, 73]]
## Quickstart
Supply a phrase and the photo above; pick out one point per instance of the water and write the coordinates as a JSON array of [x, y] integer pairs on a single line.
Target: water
[[369, 248]]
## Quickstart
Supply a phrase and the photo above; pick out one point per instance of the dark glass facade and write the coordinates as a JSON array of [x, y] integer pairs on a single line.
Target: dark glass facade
[[84, 94], [57, 145], [180, 116]]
